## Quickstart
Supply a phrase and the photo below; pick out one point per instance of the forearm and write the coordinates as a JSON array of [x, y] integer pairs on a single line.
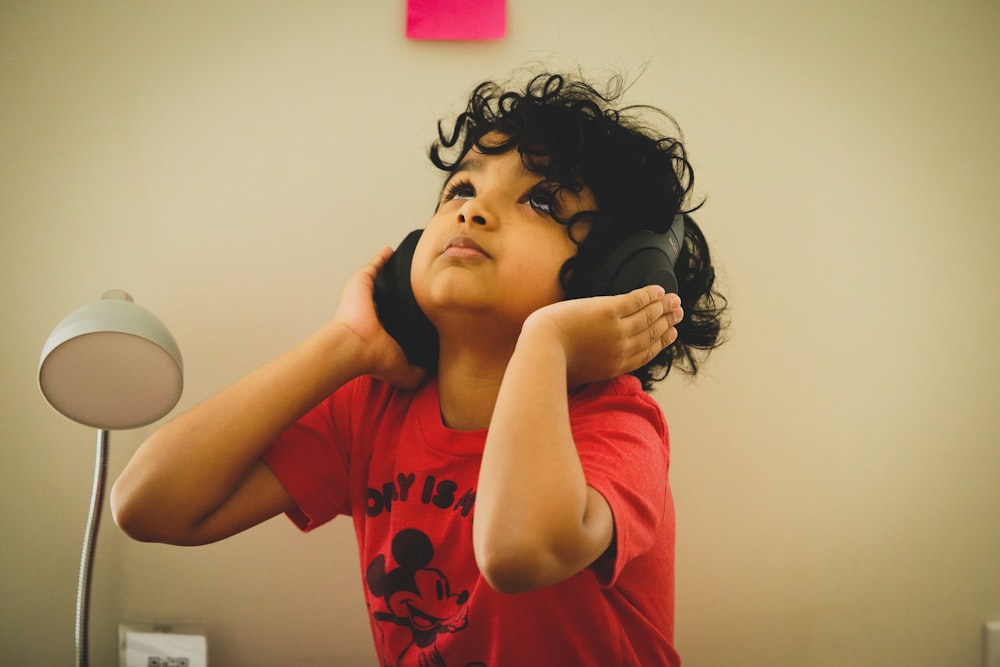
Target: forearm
[[537, 521], [192, 465]]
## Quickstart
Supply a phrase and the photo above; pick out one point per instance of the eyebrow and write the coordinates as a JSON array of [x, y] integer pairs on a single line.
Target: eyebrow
[[476, 164], [468, 164]]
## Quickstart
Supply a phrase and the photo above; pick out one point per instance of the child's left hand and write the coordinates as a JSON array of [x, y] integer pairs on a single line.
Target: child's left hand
[[606, 336]]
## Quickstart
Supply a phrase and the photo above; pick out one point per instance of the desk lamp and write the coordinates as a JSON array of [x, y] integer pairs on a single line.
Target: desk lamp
[[109, 365]]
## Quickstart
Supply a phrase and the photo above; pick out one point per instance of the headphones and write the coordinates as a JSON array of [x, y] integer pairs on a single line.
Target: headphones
[[398, 310], [643, 258]]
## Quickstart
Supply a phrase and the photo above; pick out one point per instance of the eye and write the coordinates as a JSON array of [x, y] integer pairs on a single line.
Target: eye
[[543, 200], [459, 190]]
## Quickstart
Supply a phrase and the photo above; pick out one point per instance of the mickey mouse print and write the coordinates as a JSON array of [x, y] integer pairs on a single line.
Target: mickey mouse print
[[416, 597]]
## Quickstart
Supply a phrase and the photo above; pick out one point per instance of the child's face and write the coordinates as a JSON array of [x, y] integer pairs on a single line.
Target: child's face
[[492, 247]]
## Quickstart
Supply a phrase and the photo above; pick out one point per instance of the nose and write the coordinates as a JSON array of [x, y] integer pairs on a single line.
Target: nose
[[474, 212]]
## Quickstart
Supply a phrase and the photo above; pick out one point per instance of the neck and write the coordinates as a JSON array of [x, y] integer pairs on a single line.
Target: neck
[[469, 377]]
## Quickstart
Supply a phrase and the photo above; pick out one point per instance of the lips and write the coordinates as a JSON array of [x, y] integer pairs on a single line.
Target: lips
[[464, 246]]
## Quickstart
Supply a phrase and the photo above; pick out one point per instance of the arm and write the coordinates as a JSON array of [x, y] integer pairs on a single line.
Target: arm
[[537, 521], [199, 477]]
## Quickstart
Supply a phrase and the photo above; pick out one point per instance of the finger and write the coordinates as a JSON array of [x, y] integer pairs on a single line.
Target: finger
[[673, 304], [653, 335], [643, 354], [676, 315], [642, 319], [409, 377], [646, 343], [375, 264], [633, 302], [672, 309], [642, 345], [381, 257], [640, 298]]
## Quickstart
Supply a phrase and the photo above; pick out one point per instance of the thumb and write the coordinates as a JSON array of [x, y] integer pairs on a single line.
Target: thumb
[[408, 377]]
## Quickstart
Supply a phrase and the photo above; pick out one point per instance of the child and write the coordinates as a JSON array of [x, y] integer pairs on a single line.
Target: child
[[511, 505]]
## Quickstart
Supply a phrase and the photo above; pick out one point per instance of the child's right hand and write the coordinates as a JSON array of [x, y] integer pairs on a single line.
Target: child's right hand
[[379, 353]]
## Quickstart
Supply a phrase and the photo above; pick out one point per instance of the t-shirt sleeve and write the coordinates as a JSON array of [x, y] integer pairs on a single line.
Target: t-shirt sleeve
[[312, 460], [622, 440]]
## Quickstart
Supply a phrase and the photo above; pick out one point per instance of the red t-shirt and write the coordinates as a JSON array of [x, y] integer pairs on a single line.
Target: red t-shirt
[[383, 456]]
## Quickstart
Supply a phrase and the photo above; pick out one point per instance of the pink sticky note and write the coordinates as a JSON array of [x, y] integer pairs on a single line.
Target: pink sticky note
[[456, 19]]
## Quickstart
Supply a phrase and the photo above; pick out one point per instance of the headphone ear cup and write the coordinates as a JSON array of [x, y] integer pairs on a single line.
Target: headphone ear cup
[[398, 310], [647, 266], [643, 258], [638, 261]]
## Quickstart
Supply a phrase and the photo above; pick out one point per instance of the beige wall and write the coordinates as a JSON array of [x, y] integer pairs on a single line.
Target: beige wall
[[837, 470]]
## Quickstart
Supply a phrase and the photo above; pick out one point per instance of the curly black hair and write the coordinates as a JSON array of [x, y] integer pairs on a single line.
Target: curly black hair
[[574, 136]]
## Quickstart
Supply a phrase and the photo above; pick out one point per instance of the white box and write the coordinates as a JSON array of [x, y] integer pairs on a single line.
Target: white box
[[161, 645]]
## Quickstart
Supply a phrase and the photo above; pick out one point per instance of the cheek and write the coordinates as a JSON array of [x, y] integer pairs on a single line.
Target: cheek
[[548, 254], [540, 268]]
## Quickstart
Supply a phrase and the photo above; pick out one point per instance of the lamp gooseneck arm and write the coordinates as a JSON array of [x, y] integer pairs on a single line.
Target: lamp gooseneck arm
[[89, 545]]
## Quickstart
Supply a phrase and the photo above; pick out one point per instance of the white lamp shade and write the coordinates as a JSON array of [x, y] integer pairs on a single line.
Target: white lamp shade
[[111, 365]]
